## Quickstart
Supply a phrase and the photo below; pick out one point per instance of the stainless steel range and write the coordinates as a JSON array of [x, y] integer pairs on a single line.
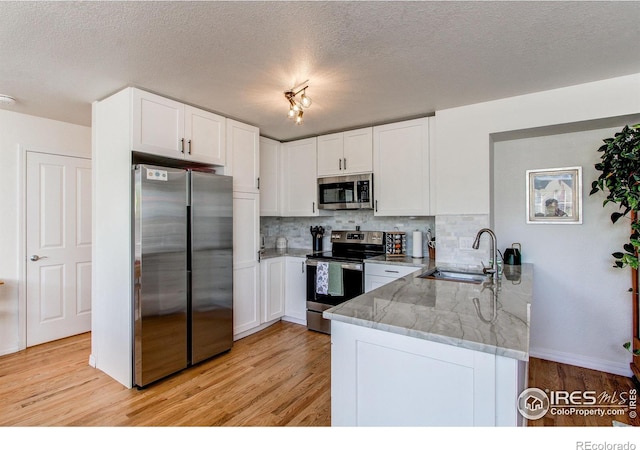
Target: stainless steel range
[[335, 276]]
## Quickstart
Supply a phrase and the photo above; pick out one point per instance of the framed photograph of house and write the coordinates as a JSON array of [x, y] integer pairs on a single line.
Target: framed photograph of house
[[554, 195]]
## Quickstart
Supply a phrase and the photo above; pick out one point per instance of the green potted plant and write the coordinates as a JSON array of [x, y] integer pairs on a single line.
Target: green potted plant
[[620, 179]]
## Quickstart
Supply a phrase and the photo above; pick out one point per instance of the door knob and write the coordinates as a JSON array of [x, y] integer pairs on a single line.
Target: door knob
[[36, 257]]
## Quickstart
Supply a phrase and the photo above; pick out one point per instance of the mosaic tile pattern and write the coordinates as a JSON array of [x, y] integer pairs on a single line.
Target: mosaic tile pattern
[[296, 229], [450, 230]]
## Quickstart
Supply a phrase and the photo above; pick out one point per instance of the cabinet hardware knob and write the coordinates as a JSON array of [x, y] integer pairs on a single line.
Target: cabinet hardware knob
[[258, 182], [313, 207], [182, 145], [189, 146], [340, 164], [376, 205], [345, 164]]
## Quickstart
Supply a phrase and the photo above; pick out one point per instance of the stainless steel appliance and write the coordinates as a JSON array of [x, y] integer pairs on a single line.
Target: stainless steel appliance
[[349, 250], [346, 192], [183, 311]]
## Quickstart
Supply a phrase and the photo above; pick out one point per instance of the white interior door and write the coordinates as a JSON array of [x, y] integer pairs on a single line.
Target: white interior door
[[58, 247]]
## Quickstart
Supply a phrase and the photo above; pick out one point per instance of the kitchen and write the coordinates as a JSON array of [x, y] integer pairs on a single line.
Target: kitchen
[[491, 130]]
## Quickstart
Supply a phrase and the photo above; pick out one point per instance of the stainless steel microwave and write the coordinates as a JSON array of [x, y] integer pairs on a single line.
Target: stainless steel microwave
[[346, 192]]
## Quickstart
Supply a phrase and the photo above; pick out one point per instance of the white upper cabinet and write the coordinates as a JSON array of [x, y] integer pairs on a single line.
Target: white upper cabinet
[[269, 177], [401, 168], [345, 153], [243, 156], [300, 186], [165, 127], [204, 134]]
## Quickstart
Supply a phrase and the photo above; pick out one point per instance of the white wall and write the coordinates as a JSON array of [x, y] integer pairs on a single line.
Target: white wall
[[18, 133], [464, 174], [582, 310], [463, 135]]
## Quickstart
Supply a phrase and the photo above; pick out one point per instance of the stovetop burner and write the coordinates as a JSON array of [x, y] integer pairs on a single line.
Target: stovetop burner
[[346, 256], [353, 246]]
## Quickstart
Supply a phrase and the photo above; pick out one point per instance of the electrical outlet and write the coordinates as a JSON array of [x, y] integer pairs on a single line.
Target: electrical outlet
[[465, 243]]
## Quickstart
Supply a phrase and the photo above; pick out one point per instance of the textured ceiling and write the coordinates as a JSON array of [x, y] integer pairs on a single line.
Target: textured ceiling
[[367, 62]]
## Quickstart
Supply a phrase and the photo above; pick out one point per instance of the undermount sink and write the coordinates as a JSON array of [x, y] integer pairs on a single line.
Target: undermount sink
[[453, 275]]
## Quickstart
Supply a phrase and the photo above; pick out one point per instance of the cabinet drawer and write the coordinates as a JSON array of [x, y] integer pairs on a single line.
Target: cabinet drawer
[[389, 270]]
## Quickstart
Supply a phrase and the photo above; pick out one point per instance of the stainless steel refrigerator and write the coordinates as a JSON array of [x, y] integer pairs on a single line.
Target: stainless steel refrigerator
[[183, 299]]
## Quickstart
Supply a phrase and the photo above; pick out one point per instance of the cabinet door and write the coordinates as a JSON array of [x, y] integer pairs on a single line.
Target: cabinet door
[[269, 177], [330, 154], [358, 151], [204, 134], [300, 178], [401, 168], [158, 125], [273, 276], [372, 282], [295, 307], [243, 156], [246, 268]]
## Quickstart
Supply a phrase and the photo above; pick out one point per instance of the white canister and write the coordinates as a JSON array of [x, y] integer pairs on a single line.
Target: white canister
[[417, 244], [281, 243]]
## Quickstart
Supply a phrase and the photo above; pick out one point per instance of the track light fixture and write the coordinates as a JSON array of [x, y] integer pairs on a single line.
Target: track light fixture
[[297, 104]]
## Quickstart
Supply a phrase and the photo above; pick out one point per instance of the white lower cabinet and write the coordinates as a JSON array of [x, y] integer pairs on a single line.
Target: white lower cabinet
[[273, 288], [386, 379], [376, 275], [295, 306]]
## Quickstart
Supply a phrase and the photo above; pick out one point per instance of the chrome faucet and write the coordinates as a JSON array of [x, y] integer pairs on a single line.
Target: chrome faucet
[[493, 270]]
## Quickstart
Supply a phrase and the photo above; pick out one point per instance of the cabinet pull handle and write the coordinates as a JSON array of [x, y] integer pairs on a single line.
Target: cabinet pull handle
[[345, 164], [182, 145], [313, 207], [392, 271], [259, 256], [302, 266], [189, 146], [340, 164], [258, 182], [376, 205]]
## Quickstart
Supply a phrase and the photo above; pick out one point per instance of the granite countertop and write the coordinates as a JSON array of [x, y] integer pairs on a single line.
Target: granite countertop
[[449, 312], [275, 253]]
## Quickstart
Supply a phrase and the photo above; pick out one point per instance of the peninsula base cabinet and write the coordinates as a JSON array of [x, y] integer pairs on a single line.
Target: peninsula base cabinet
[[387, 379]]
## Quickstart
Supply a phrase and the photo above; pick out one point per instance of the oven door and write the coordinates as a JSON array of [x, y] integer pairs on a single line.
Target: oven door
[[352, 286]]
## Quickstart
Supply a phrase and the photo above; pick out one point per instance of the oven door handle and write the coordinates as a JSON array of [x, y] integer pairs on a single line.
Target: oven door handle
[[344, 265]]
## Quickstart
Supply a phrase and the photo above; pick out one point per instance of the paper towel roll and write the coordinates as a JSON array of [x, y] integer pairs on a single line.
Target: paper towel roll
[[417, 244]]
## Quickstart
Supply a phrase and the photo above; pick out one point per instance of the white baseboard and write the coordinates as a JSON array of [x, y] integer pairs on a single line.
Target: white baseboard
[[254, 330], [92, 361], [601, 365], [295, 320], [8, 351]]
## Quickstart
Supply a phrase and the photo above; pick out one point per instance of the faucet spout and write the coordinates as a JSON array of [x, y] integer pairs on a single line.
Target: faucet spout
[[493, 270]]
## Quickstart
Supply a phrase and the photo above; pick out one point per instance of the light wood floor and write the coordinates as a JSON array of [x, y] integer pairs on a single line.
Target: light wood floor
[[277, 377]]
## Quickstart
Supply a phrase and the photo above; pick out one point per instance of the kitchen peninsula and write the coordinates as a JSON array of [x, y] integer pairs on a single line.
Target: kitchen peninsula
[[425, 352]]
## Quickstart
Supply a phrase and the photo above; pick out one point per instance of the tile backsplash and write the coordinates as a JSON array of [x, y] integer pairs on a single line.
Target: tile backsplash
[[296, 229], [451, 229], [448, 230]]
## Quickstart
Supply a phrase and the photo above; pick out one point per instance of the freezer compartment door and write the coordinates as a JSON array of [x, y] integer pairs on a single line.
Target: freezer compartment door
[[160, 272], [211, 265]]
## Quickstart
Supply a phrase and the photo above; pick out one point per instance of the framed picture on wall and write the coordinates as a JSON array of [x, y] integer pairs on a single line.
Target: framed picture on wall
[[554, 195]]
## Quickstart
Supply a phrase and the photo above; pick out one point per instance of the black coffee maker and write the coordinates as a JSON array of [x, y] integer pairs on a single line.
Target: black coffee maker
[[317, 233]]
